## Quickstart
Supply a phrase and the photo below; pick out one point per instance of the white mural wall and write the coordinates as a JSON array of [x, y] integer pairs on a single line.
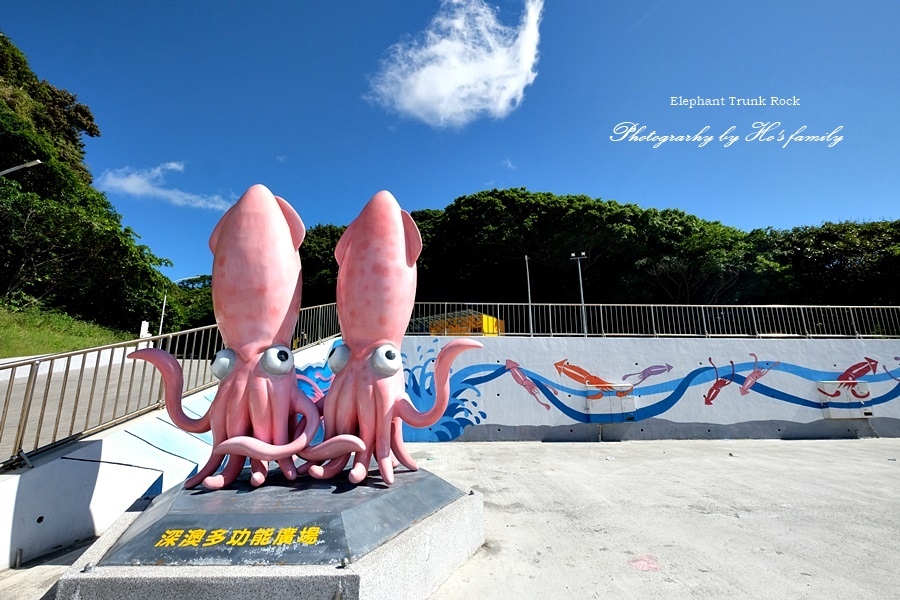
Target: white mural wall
[[633, 388]]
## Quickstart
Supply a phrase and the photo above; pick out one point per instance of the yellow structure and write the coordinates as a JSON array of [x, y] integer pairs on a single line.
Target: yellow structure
[[465, 322]]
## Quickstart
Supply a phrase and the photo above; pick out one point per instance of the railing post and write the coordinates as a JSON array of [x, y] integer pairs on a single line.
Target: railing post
[[26, 405], [853, 322], [602, 325], [551, 310], [528, 279], [584, 319], [803, 320], [753, 318]]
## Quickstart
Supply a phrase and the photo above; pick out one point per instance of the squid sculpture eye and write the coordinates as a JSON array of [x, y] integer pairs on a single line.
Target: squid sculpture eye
[[338, 357], [277, 360], [223, 363], [386, 360]]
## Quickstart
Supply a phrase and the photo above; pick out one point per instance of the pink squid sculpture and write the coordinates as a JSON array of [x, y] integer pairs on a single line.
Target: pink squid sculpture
[[256, 297], [376, 288]]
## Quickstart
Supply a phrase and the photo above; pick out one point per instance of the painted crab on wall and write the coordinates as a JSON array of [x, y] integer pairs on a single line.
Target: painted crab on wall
[[376, 287], [256, 297]]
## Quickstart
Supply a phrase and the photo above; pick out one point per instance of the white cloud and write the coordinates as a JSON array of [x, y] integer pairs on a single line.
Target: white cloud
[[646, 16], [466, 64], [149, 183], [281, 158], [508, 164]]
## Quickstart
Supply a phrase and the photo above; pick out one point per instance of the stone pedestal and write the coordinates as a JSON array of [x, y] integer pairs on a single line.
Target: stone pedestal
[[302, 539]]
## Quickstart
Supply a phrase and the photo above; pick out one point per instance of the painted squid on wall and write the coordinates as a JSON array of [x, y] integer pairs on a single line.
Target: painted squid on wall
[[376, 287], [256, 297]]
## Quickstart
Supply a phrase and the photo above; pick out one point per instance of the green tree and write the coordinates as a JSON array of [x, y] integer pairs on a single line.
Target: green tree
[[189, 304], [40, 107], [843, 263], [61, 241], [692, 261], [479, 251], [429, 223], [475, 250], [319, 266]]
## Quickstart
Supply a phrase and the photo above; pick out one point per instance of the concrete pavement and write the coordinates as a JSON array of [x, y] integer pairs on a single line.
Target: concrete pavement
[[664, 519], [680, 519]]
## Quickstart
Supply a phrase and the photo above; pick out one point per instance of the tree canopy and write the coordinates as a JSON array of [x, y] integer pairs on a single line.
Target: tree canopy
[[61, 242], [475, 250]]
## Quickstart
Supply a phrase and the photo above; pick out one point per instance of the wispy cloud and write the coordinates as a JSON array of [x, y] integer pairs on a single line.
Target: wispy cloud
[[508, 164], [150, 183], [281, 158], [466, 64], [646, 16]]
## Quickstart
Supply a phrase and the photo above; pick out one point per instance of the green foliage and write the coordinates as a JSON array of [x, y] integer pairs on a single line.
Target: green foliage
[[483, 239], [31, 331], [40, 108], [189, 304], [77, 257], [61, 241], [631, 254], [475, 249], [843, 264], [319, 266], [691, 261]]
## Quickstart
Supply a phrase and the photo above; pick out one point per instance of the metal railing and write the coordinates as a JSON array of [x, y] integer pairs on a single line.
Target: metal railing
[[673, 320], [50, 400]]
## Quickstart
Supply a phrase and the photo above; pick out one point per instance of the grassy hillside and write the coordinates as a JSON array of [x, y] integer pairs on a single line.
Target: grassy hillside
[[34, 331]]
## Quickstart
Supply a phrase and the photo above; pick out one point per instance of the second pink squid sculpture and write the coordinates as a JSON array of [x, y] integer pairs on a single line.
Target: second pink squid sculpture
[[376, 288]]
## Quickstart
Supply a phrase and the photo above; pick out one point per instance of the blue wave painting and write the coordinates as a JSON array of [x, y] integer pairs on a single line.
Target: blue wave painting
[[464, 410]]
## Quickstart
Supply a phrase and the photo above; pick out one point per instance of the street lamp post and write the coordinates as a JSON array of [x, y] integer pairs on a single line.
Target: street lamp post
[[162, 313], [22, 166], [581, 289]]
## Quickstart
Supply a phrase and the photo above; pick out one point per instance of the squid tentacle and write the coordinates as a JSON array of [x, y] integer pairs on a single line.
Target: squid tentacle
[[329, 449], [364, 419], [232, 469], [398, 448], [173, 380], [259, 471], [405, 409], [331, 469], [215, 461], [384, 405], [302, 405], [333, 448], [360, 469], [304, 468]]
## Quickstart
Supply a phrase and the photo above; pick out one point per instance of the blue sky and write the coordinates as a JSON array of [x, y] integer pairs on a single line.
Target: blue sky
[[327, 103]]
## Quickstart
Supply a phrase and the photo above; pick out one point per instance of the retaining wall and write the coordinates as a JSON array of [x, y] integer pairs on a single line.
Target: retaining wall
[[659, 388], [515, 388]]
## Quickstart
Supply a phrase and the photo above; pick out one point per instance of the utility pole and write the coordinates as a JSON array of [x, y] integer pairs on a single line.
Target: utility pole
[[528, 280], [581, 289]]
